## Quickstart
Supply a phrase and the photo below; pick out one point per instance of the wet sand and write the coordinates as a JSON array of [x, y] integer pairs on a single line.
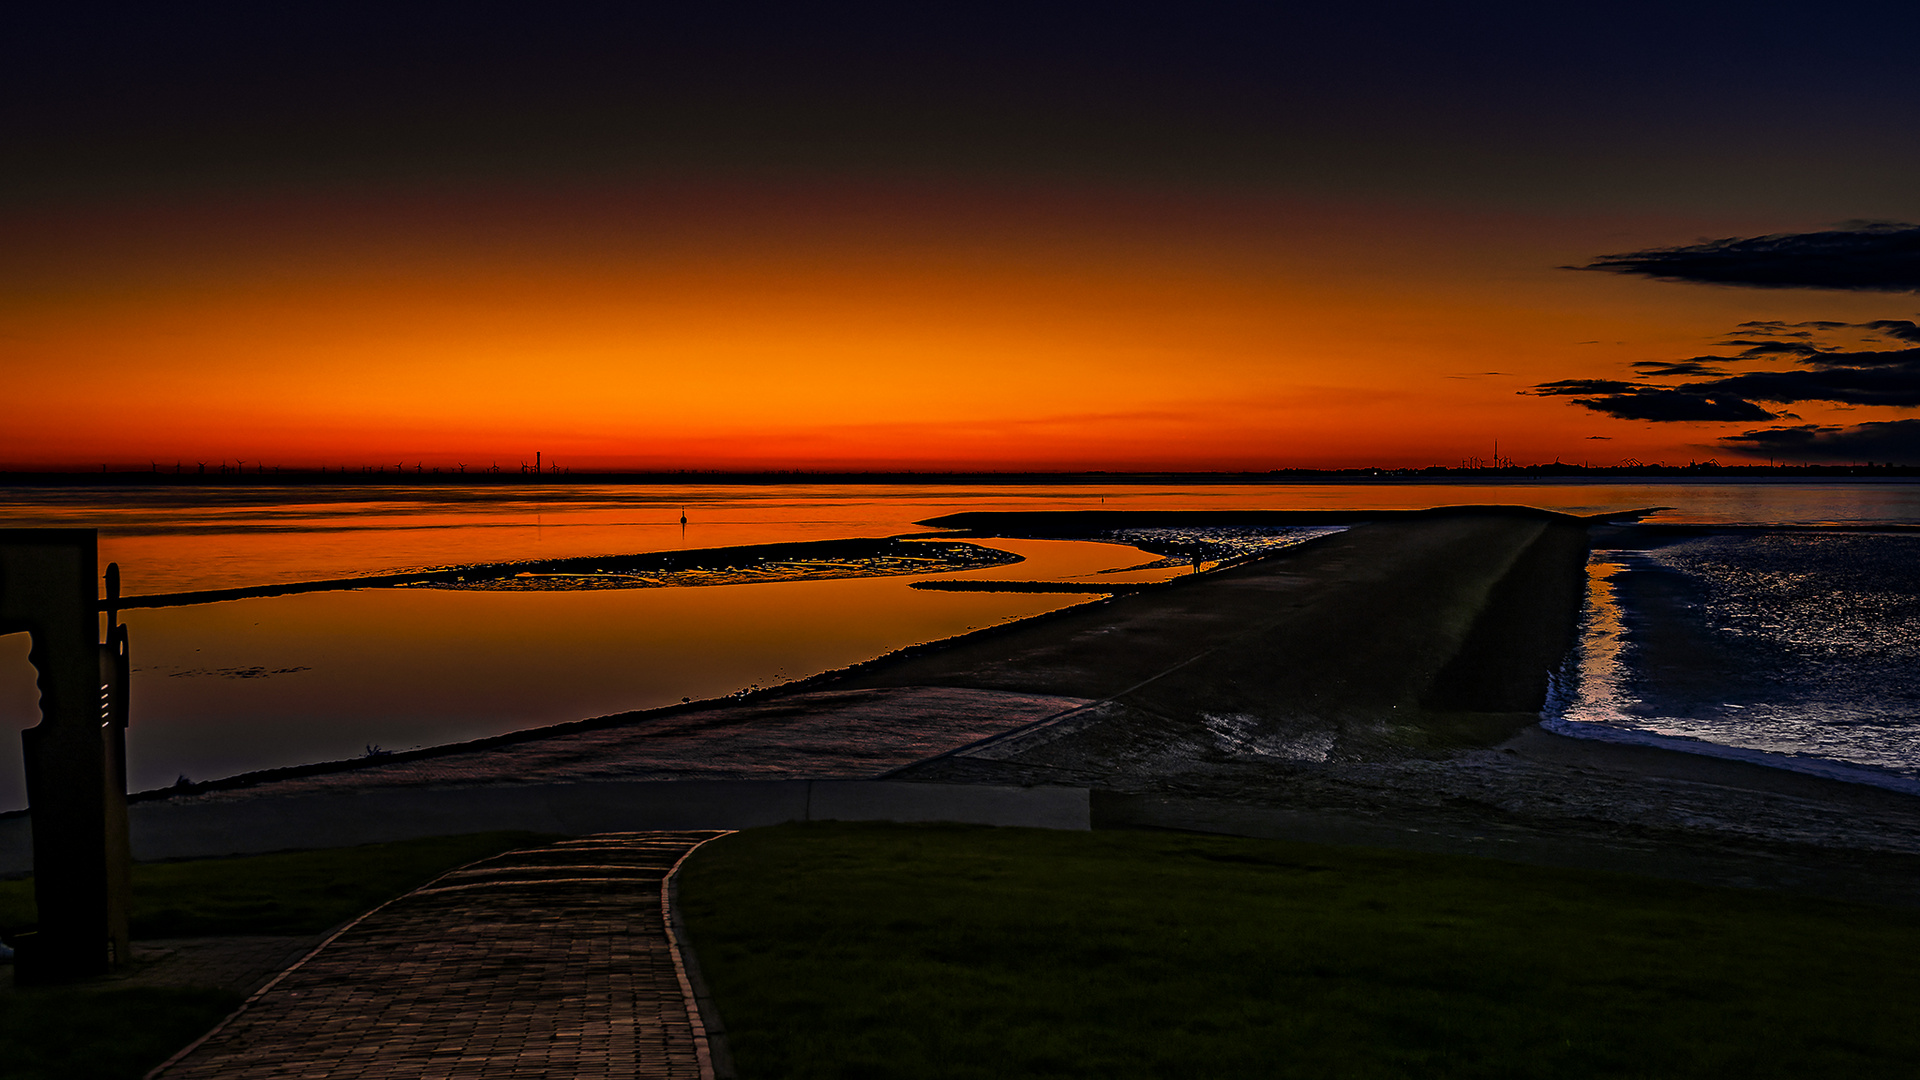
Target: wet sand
[[1377, 686], [815, 560]]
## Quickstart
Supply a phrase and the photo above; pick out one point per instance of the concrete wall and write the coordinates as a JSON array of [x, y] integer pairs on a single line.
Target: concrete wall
[[221, 825]]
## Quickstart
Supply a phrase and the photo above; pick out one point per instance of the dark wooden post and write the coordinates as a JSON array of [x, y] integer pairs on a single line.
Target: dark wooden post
[[115, 669], [76, 774]]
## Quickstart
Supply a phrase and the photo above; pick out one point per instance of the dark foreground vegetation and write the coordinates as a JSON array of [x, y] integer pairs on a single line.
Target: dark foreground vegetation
[[880, 951], [295, 892], [89, 1034], [101, 1031], [862, 950]]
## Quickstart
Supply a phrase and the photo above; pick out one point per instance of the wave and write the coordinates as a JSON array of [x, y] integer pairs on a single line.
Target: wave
[[1870, 775]]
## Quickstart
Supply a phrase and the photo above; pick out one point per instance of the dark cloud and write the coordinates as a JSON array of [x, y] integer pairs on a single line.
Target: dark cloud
[[1654, 403], [1722, 388], [1803, 332], [1898, 329], [1639, 401], [1880, 257], [1886, 440], [1897, 384], [1780, 328], [1656, 369], [1863, 358], [1577, 387], [1749, 347]]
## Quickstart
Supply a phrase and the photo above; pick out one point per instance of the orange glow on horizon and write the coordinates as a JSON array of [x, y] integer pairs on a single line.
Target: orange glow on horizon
[[687, 326]]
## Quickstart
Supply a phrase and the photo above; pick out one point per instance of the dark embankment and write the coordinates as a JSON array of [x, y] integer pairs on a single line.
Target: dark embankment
[[1072, 524], [1523, 634], [1397, 638]]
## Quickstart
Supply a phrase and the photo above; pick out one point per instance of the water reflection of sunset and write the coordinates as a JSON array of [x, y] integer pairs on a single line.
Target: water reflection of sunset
[[241, 685], [398, 667]]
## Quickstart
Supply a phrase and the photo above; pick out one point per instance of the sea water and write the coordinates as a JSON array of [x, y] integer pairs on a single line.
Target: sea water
[[1797, 647], [173, 539], [240, 685]]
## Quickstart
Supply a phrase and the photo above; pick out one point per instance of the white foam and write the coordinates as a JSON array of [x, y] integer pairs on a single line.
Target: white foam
[[1808, 765]]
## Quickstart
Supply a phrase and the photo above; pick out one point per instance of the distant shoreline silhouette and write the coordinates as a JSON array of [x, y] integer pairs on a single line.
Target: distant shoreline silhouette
[[338, 477]]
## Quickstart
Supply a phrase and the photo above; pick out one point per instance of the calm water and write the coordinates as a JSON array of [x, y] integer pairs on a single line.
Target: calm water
[[168, 540], [248, 684], [223, 688]]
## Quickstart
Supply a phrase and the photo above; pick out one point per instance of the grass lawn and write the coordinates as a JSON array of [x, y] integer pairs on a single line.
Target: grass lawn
[[293, 892], [97, 1033], [86, 1034], [855, 950]]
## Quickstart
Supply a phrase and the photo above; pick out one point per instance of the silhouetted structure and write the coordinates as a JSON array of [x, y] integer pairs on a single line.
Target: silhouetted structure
[[75, 756]]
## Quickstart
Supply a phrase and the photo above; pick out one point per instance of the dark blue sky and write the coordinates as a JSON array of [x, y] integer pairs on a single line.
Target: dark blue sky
[[1752, 104]]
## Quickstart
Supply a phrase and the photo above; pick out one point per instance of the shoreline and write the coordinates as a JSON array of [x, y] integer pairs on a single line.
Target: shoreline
[[1406, 713], [846, 557], [1823, 768], [1555, 473]]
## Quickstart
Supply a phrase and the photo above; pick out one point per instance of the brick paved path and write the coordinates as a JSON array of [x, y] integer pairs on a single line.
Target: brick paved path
[[552, 962]]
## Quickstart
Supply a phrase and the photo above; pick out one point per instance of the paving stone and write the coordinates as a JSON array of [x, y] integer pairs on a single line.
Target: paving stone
[[551, 962]]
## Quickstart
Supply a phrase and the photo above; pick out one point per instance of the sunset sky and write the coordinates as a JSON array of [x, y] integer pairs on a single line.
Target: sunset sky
[[967, 237]]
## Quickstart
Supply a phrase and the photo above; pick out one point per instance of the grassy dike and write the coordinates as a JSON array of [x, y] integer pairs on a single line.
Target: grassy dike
[[858, 950], [100, 1031]]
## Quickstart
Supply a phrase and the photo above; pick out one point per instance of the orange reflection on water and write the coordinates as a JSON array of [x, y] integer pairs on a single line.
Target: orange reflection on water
[[169, 540], [229, 687]]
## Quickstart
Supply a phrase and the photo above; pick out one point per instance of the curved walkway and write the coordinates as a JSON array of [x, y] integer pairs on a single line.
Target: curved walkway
[[550, 962]]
